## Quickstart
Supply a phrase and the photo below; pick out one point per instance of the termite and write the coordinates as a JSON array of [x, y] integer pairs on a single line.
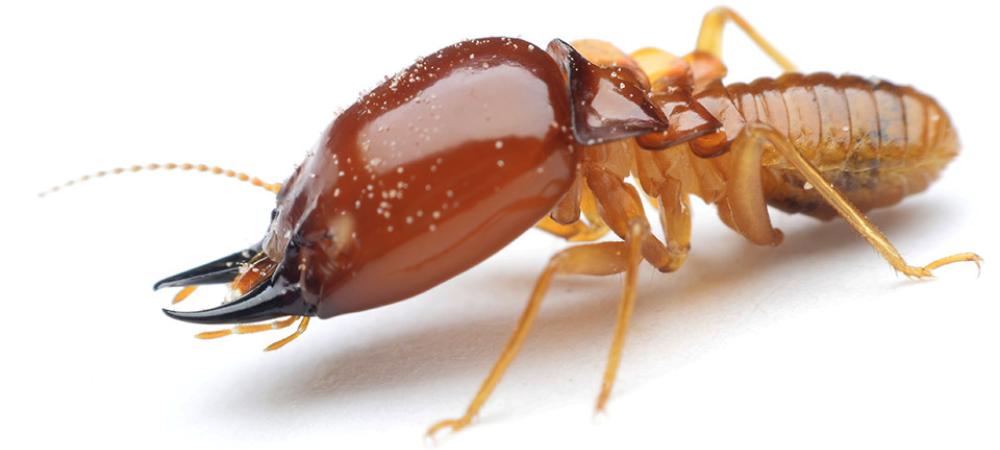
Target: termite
[[454, 157]]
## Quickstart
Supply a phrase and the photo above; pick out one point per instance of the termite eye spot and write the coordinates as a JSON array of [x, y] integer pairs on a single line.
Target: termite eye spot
[[274, 214]]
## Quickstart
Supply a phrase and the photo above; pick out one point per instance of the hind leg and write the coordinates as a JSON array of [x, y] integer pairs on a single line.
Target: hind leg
[[755, 137], [710, 36]]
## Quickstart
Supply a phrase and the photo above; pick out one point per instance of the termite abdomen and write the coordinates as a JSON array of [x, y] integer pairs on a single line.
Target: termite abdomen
[[875, 141]]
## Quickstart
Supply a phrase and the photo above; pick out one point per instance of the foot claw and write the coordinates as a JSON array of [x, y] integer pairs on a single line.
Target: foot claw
[[925, 271], [454, 424], [961, 257]]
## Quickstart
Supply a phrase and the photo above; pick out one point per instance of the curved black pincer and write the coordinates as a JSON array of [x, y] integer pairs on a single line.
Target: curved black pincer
[[266, 301], [222, 270]]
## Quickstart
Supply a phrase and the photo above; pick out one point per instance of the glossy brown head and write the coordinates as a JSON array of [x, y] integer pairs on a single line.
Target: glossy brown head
[[430, 173]]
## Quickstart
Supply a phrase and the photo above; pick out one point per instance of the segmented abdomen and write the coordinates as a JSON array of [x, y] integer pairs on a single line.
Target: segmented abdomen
[[876, 141]]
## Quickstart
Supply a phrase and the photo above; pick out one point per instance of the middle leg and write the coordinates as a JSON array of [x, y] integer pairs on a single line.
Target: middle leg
[[620, 206]]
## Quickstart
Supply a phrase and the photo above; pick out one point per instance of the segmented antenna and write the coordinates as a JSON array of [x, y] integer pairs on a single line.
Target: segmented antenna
[[215, 170]]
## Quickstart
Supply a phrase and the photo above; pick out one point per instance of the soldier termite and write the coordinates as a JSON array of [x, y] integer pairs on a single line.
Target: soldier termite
[[454, 157]]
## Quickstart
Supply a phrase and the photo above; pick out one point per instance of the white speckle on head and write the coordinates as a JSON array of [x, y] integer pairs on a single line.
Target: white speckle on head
[[498, 144], [499, 163]]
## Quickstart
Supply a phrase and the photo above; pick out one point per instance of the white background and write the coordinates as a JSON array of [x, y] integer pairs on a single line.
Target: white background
[[815, 344]]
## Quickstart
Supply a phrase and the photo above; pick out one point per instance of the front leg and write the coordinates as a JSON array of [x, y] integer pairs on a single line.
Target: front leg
[[565, 220], [604, 258]]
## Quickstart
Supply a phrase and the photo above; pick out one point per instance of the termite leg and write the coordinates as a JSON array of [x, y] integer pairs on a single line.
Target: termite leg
[[578, 200], [575, 232], [637, 228], [759, 135], [675, 218], [666, 196], [604, 258], [588, 205], [710, 36], [621, 206], [743, 206], [247, 329]]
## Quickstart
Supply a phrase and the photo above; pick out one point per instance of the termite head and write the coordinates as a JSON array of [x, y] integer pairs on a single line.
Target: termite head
[[427, 175]]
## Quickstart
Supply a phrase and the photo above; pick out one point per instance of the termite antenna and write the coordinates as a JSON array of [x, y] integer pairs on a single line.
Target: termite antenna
[[215, 170]]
